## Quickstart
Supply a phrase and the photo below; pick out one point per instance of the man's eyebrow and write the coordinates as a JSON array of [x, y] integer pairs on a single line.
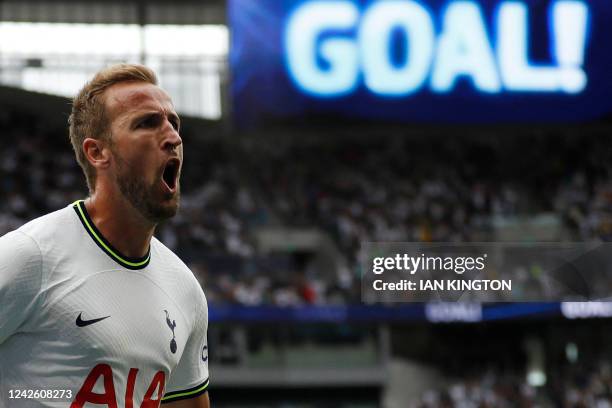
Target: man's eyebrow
[[138, 115], [153, 112]]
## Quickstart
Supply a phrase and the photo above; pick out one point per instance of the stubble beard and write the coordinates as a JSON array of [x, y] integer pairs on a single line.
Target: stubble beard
[[142, 197]]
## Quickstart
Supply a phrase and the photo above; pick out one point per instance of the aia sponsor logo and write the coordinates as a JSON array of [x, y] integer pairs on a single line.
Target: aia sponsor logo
[[104, 373]]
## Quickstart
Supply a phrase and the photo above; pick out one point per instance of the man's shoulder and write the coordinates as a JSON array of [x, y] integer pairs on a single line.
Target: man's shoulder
[[55, 234], [176, 273], [49, 225], [167, 256], [20, 247], [28, 253], [173, 263]]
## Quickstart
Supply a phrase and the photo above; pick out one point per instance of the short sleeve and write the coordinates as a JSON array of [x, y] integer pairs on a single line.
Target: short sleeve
[[20, 281], [190, 377]]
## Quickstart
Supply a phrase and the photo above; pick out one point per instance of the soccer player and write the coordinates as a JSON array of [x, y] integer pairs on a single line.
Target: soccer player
[[94, 311]]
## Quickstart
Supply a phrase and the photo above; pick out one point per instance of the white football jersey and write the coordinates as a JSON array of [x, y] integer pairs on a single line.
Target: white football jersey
[[83, 326]]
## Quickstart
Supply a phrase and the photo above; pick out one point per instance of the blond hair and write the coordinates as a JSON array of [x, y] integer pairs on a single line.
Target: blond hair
[[88, 118]]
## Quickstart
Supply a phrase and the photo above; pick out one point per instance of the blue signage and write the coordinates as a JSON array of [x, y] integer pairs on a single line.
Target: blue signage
[[413, 312], [461, 61]]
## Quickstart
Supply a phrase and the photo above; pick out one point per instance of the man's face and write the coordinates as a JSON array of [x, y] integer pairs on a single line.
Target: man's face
[[146, 148]]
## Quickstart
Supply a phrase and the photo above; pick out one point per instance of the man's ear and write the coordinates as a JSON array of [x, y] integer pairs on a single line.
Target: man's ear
[[97, 153]]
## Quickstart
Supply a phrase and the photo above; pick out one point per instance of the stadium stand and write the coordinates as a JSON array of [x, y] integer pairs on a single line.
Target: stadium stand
[[389, 190]]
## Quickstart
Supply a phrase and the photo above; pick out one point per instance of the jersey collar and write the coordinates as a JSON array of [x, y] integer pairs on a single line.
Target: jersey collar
[[98, 238]]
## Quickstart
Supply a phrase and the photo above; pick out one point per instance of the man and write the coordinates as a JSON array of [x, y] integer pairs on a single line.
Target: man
[[94, 311]]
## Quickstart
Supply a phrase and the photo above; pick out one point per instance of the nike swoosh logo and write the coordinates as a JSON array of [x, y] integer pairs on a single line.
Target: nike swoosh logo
[[82, 323]]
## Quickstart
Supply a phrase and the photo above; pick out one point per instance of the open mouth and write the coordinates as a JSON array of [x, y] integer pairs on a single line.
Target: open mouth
[[170, 174]]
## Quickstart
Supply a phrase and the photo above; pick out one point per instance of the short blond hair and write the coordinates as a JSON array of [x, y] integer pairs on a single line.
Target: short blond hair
[[88, 117]]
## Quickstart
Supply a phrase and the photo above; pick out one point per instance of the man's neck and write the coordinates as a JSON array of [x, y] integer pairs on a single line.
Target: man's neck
[[120, 223]]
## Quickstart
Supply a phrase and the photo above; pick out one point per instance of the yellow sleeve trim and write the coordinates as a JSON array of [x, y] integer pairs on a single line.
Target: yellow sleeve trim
[[184, 394]]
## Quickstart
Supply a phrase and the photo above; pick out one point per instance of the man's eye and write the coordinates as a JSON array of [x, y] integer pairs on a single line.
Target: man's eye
[[147, 123], [174, 124]]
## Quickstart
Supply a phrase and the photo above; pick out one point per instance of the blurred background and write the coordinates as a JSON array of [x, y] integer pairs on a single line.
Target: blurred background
[[311, 127]]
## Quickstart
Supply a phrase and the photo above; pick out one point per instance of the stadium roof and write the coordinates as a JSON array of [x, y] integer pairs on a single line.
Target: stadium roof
[[115, 12]]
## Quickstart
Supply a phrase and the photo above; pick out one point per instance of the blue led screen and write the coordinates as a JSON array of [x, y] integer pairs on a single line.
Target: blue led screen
[[436, 61]]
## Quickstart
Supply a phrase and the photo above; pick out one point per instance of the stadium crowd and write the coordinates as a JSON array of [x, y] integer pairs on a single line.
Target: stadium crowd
[[578, 387], [379, 189]]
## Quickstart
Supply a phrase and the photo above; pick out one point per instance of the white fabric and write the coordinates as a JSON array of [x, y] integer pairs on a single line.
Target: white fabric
[[51, 270]]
